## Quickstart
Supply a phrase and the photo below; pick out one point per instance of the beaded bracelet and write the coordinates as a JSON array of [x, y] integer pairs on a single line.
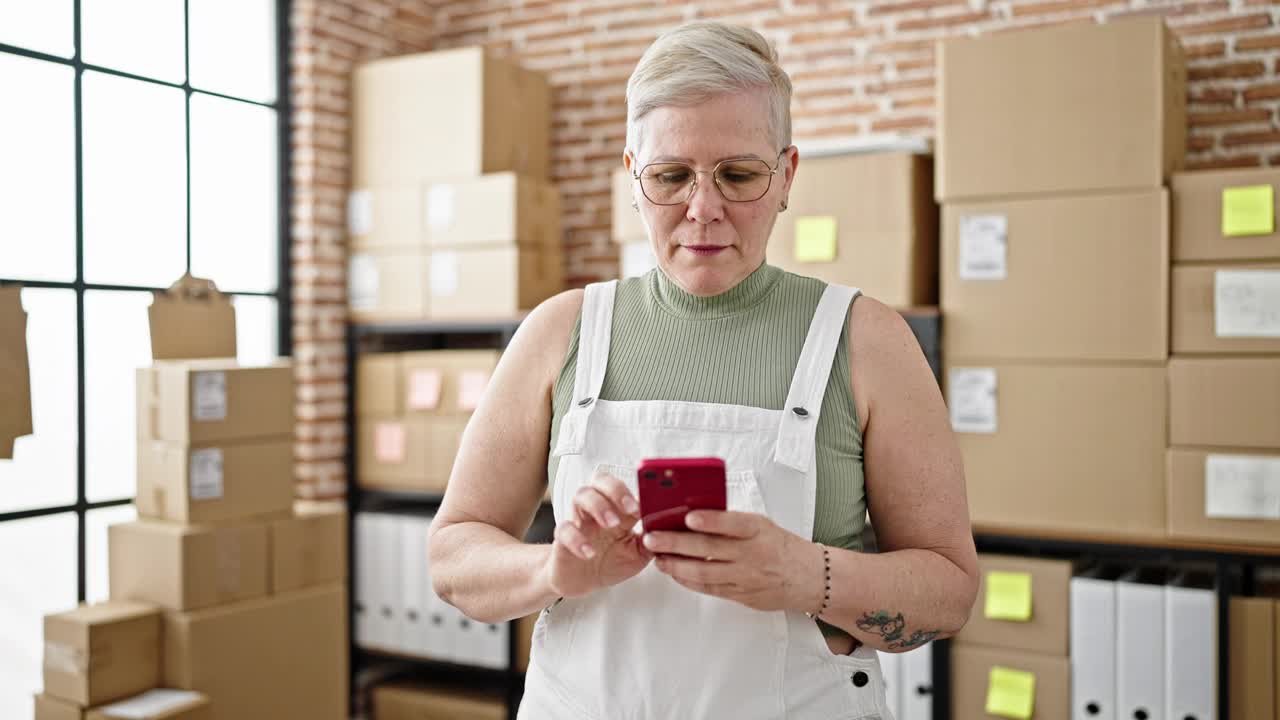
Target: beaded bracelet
[[826, 595]]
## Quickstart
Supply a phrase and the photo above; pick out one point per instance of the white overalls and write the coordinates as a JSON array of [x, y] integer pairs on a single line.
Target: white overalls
[[648, 648]]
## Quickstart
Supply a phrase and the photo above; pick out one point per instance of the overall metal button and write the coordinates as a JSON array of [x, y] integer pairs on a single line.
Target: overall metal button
[[800, 411], [585, 402], [860, 679]]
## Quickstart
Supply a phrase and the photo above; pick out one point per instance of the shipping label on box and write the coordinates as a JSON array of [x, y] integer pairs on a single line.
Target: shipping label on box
[[156, 704], [1242, 487], [984, 247], [972, 398], [1247, 303]]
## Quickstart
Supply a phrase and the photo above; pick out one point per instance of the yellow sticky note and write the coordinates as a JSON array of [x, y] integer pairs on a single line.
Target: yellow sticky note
[[1008, 596], [1011, 693], [816, 238], [1248, 211]]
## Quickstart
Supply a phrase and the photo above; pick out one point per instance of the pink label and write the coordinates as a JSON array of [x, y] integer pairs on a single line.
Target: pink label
[[389, 442], [471, 385], [424, 390]]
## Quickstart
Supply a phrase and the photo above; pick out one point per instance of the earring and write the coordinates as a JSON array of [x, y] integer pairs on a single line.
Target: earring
[[635, 206], [782, 206]]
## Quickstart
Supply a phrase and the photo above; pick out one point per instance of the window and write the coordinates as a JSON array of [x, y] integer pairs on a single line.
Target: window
[[134, 146]]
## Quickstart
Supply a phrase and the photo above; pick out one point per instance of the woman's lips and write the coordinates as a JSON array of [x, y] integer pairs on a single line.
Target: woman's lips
[[705, 249]]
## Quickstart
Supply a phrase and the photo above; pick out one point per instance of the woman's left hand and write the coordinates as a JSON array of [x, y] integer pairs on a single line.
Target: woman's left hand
[[744, 557]]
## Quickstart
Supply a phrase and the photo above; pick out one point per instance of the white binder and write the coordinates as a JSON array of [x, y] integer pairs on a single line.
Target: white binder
[[1140, 651], [491, 642], [1191, 649], [891, 669], [916, 698], [1093, 646], [414, 581], [366, 586]]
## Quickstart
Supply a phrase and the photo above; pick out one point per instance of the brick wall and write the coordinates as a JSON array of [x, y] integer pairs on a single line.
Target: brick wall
[[329, 38], [863, 73]]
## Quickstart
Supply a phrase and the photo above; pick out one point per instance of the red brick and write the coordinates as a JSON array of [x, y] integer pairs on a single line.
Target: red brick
[[926, 102], [943, 21], [598, 8], [824, 36], [1258, 42], [514, 23], [906, 66], [1224, 25], [1270, 91], [1021, 9], [1269, 137], [902, 46], [1241, 161], [559, 34], [727, 11], [924, 83], [802, 96], [838, 71], [1228, 117], [1199, 143], [662, 21], [1244, 69], [831, 131], [896, 8], [863, 108], [639, 43], [1215, 49], [787, 20], [1212, 96]]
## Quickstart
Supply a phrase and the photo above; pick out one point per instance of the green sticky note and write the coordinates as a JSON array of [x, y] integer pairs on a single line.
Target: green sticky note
[[1008, 596], [1011, 693], [815, 238], [1248, 211]]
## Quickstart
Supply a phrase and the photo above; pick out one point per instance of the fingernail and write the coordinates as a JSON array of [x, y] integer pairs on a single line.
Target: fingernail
[[693, 520], [630, 505], [650, 542], [611, 520], [589, 551]]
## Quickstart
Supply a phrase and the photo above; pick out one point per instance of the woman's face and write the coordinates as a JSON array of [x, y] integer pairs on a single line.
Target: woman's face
[[709, 244]]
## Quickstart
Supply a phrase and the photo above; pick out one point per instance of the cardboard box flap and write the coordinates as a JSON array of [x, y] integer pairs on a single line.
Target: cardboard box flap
[[192, 319], [15, 371]]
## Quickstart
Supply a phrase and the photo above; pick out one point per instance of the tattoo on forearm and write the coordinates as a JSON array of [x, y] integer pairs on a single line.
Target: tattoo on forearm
[[891, 627]]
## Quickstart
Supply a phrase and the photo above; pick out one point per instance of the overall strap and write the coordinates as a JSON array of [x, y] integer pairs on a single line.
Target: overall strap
[[594, 332]]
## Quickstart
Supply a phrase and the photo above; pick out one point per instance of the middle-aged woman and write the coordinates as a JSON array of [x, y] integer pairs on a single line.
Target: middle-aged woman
[[821, 407]]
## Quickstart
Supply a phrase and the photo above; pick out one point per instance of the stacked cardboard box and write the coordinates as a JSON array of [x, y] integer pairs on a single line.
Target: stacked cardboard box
[[411, 409], [1012, 658], [250, 589], [1224, 377], [635, 253], [403, 701], [451, 213], [866, 220], [1055, 262], [104, 661], [1254, 645], [15, 373]]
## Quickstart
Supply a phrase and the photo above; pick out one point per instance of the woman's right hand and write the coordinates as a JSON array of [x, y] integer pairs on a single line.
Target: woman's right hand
[[595, 547]]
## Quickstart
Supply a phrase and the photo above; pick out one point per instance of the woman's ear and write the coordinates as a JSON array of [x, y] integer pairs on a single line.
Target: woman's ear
[[790, 161]]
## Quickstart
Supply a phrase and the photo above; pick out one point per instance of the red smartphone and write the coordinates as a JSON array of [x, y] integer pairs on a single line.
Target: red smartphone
[[671, 487]]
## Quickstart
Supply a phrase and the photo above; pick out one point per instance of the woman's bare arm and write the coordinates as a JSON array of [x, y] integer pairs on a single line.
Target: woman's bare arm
[[479, 562]]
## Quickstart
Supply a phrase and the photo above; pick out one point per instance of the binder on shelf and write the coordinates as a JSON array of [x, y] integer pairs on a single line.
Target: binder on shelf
[[1093, 645], [1191, 648], [366, 572], [390, 606], [1140, 648], [916, 696], [415, 584]]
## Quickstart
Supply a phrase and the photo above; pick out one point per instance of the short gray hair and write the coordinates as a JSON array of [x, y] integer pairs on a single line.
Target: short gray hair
[[700, 60]]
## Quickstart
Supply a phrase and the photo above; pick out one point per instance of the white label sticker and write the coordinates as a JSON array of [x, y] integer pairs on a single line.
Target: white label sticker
[[206, 474], [1246, 303], [1242, 487], [360, 212], [444, 274], [637, 259], [362, 282], [972, 399], [149, 704], [440, 201], [984, 247], [209, 396]]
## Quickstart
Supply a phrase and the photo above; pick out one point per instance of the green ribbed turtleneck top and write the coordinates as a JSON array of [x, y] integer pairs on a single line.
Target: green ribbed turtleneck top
[[738, 348]]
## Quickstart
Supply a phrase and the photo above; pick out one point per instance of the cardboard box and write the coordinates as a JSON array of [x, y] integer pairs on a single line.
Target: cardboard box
[[412, 453], [1251, 627], [491, 283], [495, 209], [447, 114], [1224, 496], [1200, 215], [866, 220], [1003, 130], [205, 402], [283, 656], [1226, 309], [1060, 278], [309, 548], [191, 302], [378, 390], [971, 679], [994, 623], [186, 567], [214, 484], [628, 226], [1225, 402], [99, 653], [157, 704], [15, 372], [444, 382], [388, 285], [403, 701], [1043, 443]]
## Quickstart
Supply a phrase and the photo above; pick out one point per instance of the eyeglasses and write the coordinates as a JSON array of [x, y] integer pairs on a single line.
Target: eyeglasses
[[739, 180]]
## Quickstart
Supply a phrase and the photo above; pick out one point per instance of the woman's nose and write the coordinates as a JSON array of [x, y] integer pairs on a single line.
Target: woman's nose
[[706, 204]]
